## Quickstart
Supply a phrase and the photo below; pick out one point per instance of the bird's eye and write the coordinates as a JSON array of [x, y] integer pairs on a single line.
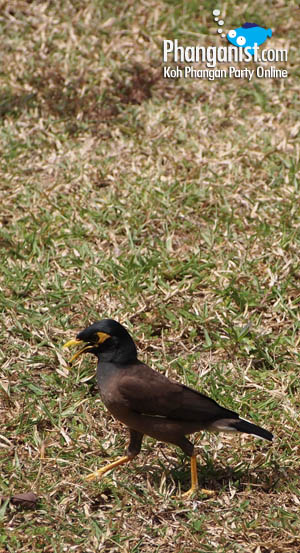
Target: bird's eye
[[232, 34], [241, 40], [94, 339]]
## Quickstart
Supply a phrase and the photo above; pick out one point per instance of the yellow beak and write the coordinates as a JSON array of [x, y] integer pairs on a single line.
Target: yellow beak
[[72, 343]]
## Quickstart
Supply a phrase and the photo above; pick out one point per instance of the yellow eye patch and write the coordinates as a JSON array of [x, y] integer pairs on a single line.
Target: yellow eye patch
[[102, 337]]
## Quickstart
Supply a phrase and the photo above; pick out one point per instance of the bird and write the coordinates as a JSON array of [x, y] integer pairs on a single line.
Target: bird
[[148, 402]]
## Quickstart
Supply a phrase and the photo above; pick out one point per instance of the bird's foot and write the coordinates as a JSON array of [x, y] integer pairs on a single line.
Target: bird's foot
[[97, 474], [192, 491], [100, 472], [194, 482], [204, 491]]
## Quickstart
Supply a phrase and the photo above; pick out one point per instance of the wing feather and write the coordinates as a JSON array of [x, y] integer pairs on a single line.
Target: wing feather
[[149, 392]]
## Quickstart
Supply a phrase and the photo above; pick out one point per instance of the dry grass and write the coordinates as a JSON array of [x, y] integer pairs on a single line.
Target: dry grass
[[172, 206]]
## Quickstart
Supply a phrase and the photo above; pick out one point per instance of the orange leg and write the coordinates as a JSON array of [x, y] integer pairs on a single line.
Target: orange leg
[[98, 473], [194, 481], [133, 449]]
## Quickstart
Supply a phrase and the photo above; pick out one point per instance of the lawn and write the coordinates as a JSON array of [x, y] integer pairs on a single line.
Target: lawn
[[172, 206]]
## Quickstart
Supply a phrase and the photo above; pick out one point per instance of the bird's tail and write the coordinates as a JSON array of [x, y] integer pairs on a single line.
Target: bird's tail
[[241, 425], [249, 428]]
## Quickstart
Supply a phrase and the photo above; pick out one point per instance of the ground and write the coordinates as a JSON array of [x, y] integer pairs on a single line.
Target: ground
[[171, 205]]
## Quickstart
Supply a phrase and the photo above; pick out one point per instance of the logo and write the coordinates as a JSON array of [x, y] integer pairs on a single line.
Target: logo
[[248, 35], [244, 47]]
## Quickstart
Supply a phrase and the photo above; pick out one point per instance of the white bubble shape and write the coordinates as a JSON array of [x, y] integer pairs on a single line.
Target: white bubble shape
[[221, 22], [216, 12], [219, 30], [216, 19], [241, 40], [223, 35]]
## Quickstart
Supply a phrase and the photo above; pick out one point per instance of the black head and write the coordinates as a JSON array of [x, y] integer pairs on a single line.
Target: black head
[[108, 340]]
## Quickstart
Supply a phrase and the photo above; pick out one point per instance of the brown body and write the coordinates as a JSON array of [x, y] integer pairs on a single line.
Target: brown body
[[147, 402]]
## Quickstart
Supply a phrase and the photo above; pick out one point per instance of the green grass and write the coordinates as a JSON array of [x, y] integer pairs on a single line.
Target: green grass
[[173, 207]]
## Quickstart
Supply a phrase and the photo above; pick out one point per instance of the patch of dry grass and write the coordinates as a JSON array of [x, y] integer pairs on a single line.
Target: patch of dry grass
[[172, 206]]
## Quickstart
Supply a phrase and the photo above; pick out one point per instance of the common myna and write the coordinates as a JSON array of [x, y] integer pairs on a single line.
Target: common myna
[[148, 402]]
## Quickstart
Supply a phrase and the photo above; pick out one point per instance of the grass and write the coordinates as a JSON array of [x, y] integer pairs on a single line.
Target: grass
[[171, 206]]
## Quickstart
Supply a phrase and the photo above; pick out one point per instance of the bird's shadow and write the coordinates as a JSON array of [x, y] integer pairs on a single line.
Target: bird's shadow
[[212, 476], [216, 477]]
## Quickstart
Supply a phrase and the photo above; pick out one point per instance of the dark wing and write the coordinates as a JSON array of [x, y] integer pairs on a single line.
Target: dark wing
[[198, 407], [149, 392]]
